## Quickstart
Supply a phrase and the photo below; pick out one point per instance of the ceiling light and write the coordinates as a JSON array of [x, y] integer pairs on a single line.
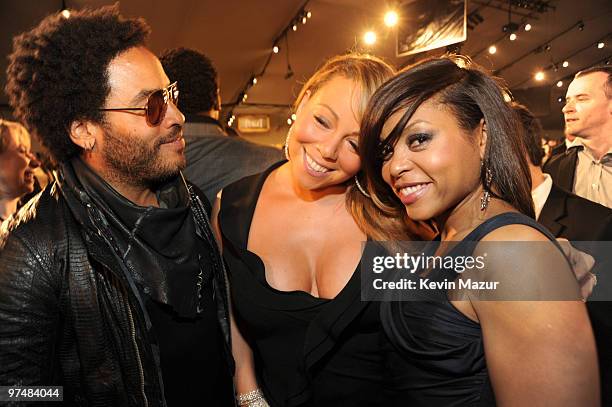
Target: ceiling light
[[560, 99], [308, 14], [539, 76], [275, 49], [560, 84], [369, 37], [289, 121], [391, 18], [66, 13], [254, 81], [527, 27], [293, 116], [601, 45], [565, 64], [512, 37], [294, 27], [492, 49]]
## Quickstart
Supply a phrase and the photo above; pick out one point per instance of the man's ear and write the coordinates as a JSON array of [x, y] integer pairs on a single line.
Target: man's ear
[[482, 134], [85, 133]]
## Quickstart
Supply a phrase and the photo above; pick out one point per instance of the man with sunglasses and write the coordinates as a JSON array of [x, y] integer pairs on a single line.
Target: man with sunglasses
[[111, 284]]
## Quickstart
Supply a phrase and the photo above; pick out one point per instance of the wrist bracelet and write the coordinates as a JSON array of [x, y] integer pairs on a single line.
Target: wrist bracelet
[[253, 398]]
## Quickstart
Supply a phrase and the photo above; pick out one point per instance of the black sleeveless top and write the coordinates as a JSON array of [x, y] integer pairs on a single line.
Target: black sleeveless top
[[308, 351], [435, 354]]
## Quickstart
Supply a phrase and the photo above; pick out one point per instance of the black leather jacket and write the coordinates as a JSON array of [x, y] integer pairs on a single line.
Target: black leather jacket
[[70, 313]]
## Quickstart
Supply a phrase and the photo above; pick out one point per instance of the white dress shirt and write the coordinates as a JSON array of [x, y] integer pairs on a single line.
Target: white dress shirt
[[540, 194], [593, 178]]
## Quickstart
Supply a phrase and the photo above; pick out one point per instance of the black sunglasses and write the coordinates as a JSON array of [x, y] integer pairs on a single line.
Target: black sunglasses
[[156, 106]]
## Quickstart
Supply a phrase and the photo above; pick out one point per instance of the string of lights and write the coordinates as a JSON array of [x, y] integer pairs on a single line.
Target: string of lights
[[545, 46], [567, 78], [64, 10], [565, 62], [301, 17]]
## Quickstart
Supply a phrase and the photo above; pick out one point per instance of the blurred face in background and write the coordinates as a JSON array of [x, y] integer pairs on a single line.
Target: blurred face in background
[[587, 109], [324, 137], [17, 163]]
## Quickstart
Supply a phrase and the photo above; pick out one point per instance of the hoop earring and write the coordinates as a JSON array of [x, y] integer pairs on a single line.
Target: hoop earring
[[286, 148], [486, 195], [360, 188], [89, 145]]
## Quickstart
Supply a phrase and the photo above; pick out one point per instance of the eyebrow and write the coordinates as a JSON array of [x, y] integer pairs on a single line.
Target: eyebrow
[[416, 122], [413, 124], [330, 109]]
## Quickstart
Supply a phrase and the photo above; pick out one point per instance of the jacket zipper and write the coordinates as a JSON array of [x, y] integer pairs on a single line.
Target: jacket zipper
[[133, 337]]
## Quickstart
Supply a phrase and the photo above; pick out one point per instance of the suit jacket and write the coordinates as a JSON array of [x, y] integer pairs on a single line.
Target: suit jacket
[[558, 149], [577, 219], [562, 168], [215, 160]]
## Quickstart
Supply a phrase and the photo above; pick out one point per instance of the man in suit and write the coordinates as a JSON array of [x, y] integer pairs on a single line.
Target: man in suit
[[214, 159], [586, 166], [577, 219]]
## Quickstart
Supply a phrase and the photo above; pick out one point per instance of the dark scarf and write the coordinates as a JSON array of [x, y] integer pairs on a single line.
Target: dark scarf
[[158, 245]]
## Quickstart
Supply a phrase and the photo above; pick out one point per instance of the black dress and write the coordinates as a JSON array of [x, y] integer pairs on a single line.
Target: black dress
[[308, 351], [435, 354]]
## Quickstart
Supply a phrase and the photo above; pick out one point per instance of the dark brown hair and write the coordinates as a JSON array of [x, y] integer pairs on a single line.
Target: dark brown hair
[[471, 95], [57, 72], [196, 76], [531, 134]]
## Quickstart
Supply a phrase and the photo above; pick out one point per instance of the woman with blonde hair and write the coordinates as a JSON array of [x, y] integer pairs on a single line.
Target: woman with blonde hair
[[303, 336], [17, 165]]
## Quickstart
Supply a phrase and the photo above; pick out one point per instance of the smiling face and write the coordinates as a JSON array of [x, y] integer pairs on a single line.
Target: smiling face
[[324, 137], [587, 110], [133, 151], [17, 164], [435, 164]]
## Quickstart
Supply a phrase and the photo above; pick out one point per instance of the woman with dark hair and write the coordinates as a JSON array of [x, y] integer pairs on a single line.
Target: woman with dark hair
[[440, 144]]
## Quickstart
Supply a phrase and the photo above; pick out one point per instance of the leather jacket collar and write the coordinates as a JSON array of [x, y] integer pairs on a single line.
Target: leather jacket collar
[[153, 243]]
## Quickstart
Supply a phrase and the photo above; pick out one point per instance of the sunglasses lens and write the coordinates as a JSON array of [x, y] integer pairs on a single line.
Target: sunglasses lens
[[156, 108]]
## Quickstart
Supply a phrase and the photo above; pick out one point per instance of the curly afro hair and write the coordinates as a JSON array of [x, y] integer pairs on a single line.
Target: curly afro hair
[[57, 72], [196, 76]]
